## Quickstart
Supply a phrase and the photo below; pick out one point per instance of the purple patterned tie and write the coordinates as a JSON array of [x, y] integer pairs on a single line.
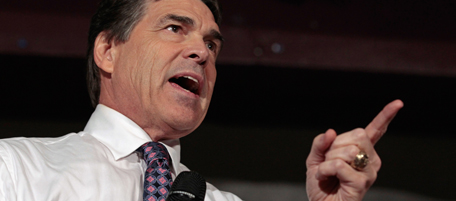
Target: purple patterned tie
[[157, 179]]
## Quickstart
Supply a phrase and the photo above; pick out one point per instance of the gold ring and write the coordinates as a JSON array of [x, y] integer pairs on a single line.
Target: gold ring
[[361, 161]]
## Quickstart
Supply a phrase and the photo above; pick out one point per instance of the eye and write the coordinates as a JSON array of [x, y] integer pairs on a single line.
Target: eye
[[174, 28], [212, 46]]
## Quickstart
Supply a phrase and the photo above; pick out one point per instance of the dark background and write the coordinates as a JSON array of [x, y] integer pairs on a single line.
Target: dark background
[[263, 116]]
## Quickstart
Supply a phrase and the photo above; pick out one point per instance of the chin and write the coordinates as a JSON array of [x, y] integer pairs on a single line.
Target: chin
[[182, 117]]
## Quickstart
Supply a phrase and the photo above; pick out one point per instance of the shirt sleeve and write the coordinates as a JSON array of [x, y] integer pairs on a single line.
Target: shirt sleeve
[[7, 192]]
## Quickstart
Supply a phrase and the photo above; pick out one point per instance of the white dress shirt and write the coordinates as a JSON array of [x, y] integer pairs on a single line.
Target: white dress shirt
[[99, 163]]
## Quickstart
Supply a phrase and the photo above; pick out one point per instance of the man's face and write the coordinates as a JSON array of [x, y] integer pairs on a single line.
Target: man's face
[[164, 75]]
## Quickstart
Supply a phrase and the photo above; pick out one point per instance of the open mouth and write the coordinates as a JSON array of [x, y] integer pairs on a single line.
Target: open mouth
[[187, 82]]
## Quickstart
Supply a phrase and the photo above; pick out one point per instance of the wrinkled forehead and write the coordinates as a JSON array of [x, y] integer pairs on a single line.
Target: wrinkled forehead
[[193, 8]]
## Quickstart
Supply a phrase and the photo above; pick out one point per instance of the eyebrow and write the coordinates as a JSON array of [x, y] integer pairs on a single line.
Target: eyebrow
[[217, 35], [181, 19], [190, 22]]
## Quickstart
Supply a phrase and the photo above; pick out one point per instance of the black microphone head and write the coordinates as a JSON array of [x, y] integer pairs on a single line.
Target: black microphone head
[[188, 186]]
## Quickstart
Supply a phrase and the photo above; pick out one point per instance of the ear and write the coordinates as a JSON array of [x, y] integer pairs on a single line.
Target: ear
[[103, 53]]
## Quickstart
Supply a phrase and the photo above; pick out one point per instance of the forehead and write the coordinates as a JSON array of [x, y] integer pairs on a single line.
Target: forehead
[[194, 9]]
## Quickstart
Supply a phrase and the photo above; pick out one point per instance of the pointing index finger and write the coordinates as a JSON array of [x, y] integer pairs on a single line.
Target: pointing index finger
[[378, 126]]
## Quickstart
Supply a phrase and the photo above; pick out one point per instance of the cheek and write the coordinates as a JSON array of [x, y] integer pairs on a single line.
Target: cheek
[[146, 67], [125, 68]]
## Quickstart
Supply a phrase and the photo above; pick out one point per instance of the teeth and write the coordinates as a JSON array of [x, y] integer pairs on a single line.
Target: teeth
[[191, 78]]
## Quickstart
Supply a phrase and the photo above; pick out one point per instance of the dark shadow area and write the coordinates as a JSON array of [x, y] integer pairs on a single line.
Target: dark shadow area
[[302, 98], [43, 88]]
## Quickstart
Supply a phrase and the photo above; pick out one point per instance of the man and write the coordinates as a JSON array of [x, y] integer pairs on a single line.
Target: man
[[151, 75]]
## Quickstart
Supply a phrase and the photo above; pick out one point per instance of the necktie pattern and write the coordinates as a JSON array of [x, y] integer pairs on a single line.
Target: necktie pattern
[[157, 178]]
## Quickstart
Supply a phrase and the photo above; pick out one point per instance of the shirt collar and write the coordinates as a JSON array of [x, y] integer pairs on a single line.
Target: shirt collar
[[122, 136]]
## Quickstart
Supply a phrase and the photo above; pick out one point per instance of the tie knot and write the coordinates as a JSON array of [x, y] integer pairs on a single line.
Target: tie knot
[[153, 151]]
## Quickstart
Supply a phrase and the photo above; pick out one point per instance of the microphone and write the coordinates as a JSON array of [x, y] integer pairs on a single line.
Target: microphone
[[188, 186]]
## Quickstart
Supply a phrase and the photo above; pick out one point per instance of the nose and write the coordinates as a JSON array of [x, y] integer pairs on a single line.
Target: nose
[[197, 52]]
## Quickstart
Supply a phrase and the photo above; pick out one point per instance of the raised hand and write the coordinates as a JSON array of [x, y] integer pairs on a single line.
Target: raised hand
[[329, 174]]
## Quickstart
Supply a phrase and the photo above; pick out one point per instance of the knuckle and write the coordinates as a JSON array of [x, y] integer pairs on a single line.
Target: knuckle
[[359, 133], [357, 130], [339, 164], [353, 151]]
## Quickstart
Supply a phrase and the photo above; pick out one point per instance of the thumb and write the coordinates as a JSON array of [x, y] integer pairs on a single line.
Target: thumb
[[320, 146]]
